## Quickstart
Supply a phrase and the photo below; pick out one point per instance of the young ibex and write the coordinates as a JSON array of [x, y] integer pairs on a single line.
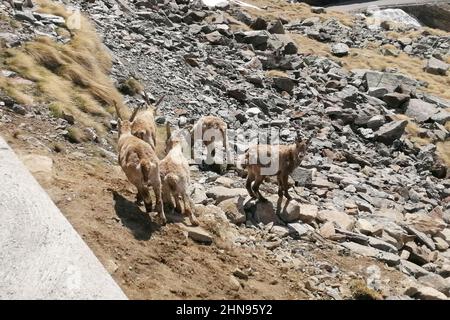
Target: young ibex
[[175, 175], [144, 126], [270, 160], [141, 166], [207, 129]]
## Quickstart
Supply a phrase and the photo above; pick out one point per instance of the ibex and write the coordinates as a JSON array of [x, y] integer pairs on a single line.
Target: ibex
[[141, 165], [270, 160], [207, 129], [144, 126], [175, 175]]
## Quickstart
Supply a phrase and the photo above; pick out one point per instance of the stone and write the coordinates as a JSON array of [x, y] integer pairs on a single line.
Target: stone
[[238, 273], [219, 193], [318, 10], [237, 93], [280, 231], [382, 245], [389, 258], [412, 269], [235, 284], [224, 181], [444, 271], [289, 211], [441, 244], [214, 37], [441, 116], [341, 219], [391, 131], [111, 266], [445, 234], [340, 49], [376, 122], [251, 112], [198, 234], [320, 182], [49, 18], [327, 230], [308, 213], [25, 16], [395, 100], [364, 226], [436, 66], [418, 255], [194, 16], [422, 237], [198, 194], [263, 211], [302, 177], [259, 24], [426, 223], [299, 229], [377, 92], [284, 84], [234, 209], [404, 41], [276, 27], [424, 293], [390, 81], [420, 110], [435, 281], [258, 39]]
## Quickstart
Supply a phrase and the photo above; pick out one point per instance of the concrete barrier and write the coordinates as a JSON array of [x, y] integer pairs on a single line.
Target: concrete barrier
[[41, 255]]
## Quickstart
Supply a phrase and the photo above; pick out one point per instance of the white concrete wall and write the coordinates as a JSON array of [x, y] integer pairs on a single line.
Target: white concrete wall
[[41, 255]]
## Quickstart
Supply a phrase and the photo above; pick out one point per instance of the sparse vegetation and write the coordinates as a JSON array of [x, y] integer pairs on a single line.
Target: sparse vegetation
[[131, 87], [56, 109], [76, 135], [15, 91], [293, 11], [360, 291], [443, 150], [72, 77]]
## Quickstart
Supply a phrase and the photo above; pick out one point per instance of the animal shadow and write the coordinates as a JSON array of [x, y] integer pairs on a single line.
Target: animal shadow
[[132, 217]]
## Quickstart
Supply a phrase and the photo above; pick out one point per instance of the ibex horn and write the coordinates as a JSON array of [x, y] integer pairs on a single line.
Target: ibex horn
[[117, 110], [159, 101], [133, 115], [168, 131]]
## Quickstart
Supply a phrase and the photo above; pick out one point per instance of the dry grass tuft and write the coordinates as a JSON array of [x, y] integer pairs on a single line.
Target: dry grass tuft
[[131, 87], [443, 151], [76, 135], [73, 76], [15, 91], [360, 291], [293, 11]]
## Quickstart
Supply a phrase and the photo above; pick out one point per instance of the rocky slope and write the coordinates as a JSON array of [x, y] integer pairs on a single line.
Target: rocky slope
[[375, 181]]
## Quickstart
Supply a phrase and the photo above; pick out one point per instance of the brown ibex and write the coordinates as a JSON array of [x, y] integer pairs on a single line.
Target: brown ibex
[[141, 165], [175, 175], [270, 160], [207, 129], [144, 126]]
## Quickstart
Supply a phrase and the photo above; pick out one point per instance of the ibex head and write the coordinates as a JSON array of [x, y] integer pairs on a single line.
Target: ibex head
[[148, 103], [124, 126]]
